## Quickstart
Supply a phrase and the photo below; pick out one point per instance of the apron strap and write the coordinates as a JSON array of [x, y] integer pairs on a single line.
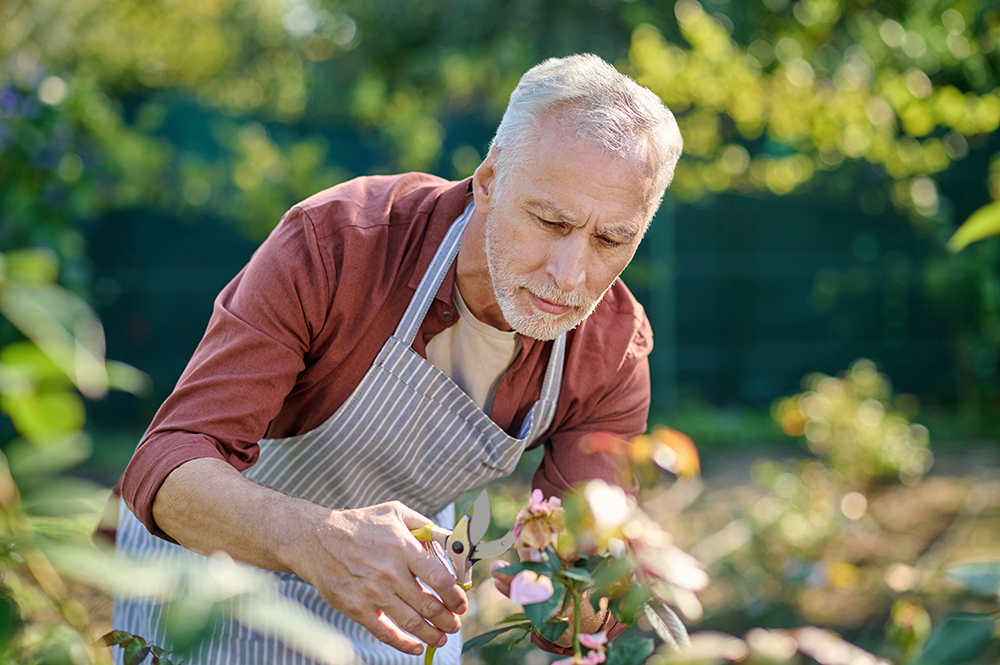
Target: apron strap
[[431, 281]]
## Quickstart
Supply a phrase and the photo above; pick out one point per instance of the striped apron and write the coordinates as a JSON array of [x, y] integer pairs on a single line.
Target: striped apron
[[406, 433]]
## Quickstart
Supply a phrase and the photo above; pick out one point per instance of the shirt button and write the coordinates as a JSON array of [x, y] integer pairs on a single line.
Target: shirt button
[[447, 315]]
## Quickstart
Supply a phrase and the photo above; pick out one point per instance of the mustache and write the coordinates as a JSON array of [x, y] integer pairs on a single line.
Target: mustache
[[554, 294]]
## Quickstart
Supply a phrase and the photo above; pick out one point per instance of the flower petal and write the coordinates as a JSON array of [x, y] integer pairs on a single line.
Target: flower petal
[[528, 587], [595, 641]]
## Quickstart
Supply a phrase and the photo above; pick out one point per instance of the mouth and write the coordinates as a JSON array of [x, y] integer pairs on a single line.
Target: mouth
[[547, 306]]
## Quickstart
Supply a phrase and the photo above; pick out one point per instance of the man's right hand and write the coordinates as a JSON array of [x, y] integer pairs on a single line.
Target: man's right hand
[[370, 575], [365, 563]]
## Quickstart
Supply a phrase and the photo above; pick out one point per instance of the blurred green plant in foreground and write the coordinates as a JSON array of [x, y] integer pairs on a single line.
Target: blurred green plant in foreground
[[48, 517]]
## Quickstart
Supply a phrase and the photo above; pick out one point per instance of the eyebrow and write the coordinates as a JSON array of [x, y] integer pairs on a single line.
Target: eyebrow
[[619, 232]]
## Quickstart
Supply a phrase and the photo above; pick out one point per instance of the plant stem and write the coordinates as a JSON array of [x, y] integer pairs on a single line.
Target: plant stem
[[577, 596]]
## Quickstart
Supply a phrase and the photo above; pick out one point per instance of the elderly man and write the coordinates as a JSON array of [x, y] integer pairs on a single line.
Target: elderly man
[[398, 340]]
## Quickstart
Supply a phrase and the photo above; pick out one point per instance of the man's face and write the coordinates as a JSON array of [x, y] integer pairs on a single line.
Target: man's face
[[564, 224]]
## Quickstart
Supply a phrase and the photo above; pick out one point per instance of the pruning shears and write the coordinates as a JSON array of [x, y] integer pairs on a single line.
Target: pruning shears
[[464, 544]]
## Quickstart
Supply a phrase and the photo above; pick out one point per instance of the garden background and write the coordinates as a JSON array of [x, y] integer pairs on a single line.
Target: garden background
[[832, 147]]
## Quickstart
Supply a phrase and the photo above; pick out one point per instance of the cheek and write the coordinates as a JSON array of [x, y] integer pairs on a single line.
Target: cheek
[[603, 274]]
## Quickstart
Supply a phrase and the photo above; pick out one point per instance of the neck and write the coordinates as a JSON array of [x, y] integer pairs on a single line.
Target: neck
[[472, 274]]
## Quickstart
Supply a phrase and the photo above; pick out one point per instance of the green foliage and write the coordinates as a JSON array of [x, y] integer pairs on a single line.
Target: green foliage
[[904, 87], [958, 639], [984, 223], [135, 648], [850, 422]]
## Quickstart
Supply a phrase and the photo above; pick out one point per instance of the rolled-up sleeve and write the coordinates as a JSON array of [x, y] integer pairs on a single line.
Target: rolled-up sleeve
[[254, 347]]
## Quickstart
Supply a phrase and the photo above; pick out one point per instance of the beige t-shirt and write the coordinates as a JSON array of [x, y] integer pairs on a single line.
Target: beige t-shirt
[[473, 354]]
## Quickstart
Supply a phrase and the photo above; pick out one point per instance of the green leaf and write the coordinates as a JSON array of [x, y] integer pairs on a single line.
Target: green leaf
[[516, 617], [32, 266], [553, 630], [542, 568], [116, 637], [190, 621], [46, 416], [960, 638], [539, 613], [10, 620], [981, 577], [632, 652], [128, 379], [577, 574], [611, 571], [485, 638], [625, 607], [667, 624], [982, 224], [136, 651], [58, 455]]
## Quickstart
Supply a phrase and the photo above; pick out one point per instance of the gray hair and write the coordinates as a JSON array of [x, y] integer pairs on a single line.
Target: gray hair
[[611, 111]]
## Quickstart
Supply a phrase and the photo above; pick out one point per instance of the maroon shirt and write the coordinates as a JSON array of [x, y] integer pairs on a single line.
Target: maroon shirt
[[294, 332]]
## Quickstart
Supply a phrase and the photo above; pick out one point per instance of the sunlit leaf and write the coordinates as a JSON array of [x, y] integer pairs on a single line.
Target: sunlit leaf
[[667, 625], [44, 417], [34, 265], [983, 223], [122, 376], [116, 637], [58, 455], [64, 327]]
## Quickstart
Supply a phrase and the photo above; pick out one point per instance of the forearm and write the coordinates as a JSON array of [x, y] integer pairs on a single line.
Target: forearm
[[206, 505]]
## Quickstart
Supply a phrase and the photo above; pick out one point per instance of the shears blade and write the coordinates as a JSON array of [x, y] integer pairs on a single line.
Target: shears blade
[[494, 548], [479, 517]]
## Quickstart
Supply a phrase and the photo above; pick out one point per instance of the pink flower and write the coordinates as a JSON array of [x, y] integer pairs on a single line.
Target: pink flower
[[595, 641], [592, 658], [528, 587], [538, 525]]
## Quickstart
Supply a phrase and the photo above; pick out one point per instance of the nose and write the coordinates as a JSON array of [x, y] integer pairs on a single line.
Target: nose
[[568, 264]]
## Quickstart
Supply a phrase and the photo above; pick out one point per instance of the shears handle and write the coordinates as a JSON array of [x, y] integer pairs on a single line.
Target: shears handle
[[430, 534]]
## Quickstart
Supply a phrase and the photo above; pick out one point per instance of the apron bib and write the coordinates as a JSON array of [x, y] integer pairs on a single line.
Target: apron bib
[[406, 433]]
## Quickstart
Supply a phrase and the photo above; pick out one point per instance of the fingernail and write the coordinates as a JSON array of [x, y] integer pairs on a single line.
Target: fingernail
[[443, 641], [497, 565]]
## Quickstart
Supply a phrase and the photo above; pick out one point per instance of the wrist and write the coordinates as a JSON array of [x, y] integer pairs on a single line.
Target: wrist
[[298, 524]]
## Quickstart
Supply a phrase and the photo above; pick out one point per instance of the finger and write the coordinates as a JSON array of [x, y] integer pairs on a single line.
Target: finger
[[429, 607], [385, 630], [500, 580], [407, 618], [434, 574]]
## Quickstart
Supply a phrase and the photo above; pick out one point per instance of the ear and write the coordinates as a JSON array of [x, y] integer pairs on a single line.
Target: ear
[[483, 180]]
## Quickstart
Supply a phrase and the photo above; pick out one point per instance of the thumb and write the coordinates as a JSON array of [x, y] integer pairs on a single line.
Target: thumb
[[422, 528], [411, 518]]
